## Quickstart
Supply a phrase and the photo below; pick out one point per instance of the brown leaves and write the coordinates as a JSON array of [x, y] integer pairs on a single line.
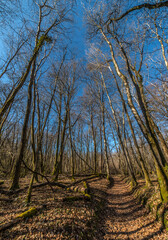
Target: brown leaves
[[113, 213]]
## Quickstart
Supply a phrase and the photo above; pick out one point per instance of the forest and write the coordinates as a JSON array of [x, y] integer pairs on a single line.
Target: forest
[[84, 119]]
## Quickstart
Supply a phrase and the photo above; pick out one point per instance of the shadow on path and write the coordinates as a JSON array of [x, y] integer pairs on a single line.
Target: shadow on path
[[123, 217]]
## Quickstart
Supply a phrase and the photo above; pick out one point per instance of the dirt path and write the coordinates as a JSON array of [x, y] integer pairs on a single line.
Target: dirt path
[[113, 213], [124, 218]]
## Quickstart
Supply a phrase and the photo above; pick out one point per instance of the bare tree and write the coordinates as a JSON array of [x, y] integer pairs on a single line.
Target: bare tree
[[130, 76]]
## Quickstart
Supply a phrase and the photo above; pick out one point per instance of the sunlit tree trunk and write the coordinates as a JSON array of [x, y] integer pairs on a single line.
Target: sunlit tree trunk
[[140, 159], [147, 131], [134, 182]]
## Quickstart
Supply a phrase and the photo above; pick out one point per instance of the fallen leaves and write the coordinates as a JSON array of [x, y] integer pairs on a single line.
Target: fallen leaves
[[114, 213]]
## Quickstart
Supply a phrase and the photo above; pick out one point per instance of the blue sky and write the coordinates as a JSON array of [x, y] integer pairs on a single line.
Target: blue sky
[[77, 28], [76, 42], [79, 31]]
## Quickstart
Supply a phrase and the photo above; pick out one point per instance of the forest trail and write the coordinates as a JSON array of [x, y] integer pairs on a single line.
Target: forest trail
[[112, 213], [124, 218]]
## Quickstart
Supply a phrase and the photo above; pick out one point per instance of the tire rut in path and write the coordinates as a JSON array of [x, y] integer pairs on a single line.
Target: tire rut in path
[[125, 218]]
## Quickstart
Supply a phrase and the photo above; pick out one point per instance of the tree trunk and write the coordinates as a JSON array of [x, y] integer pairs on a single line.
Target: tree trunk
[[144, 169], [147, 131], [17, 166], [94, 142], [105, 139]]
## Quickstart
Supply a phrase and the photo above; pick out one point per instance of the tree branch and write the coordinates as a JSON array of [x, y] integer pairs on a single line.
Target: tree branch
[[144, 5]]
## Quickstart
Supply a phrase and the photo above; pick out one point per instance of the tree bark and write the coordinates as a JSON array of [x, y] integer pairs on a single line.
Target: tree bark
[[17, 166]]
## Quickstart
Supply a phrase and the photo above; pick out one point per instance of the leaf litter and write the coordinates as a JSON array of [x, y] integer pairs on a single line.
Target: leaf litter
[[113, 213]]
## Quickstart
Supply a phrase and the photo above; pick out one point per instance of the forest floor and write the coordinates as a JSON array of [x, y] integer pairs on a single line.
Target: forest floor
[[113, 213]]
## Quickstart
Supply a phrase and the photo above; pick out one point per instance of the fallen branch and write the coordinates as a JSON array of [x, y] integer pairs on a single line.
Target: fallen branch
[[34, 186], [6, 226], [81, 180], [29, 213], [5, 200], [76, 198], [81, 189], [34, 172]]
